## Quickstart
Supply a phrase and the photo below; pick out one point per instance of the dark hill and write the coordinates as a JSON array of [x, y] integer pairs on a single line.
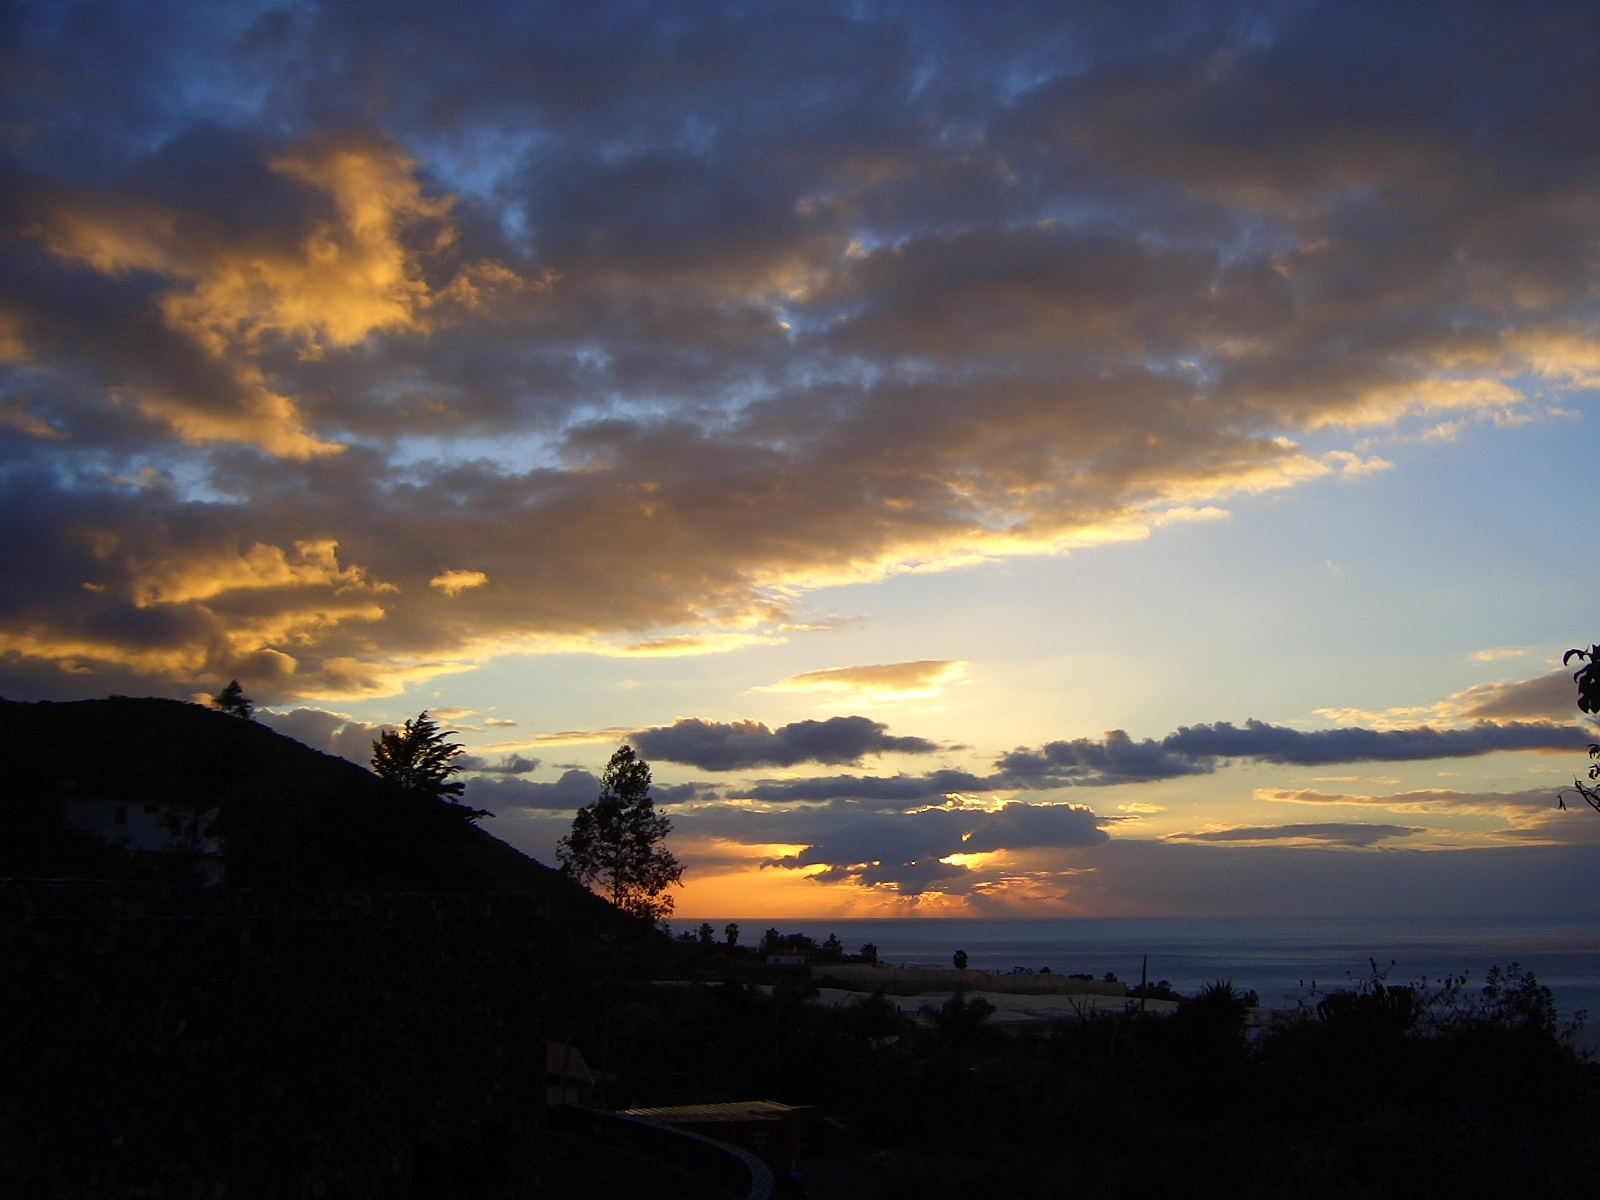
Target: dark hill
[[286, 811]]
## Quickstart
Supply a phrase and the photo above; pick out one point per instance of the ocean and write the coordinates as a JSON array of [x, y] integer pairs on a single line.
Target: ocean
[[1279, 959]]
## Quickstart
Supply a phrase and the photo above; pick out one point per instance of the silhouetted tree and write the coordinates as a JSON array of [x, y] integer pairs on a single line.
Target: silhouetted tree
[[731, 934], [959, 1018], [869, 953], [234, 702], [707, 936], [1588, 681], [618, 842], [419, 757], [961, 960]]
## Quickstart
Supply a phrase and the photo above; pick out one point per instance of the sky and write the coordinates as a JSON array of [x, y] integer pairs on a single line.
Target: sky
[[991, 460]]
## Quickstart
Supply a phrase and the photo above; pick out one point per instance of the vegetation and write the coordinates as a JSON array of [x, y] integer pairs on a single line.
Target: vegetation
[[617, 842], [419, 759], [1372, 1090], [287, 815], [1588, 680], [234, 702]]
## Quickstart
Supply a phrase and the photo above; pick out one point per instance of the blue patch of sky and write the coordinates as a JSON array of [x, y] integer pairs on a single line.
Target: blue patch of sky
[[187, 476], [479, 161], [516, 454]]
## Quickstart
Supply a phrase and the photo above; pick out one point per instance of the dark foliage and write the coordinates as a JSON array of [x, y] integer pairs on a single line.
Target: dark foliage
[[960, 1019], [419, 758], [1587, 678], [1588, 681], [619, 842], [191, 1042], [1373, 1090], [234, 702]]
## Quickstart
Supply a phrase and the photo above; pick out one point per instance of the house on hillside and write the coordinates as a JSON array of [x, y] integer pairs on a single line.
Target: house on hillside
[[144, 826]]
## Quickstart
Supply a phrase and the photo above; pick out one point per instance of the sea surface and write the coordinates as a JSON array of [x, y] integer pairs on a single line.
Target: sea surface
[[1282, 960]]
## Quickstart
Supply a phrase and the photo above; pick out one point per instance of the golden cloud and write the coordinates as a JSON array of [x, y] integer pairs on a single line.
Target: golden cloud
[[1551, 697], [1426, 800], [261, 567], [882, 682], [358, 273], [863, 372], [453, 583]]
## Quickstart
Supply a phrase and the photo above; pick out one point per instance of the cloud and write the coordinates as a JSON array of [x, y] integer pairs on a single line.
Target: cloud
[[510, 764], [671, 317], [895, 789], [574, 790], [1551, 697], [888, 681], [742, 745], [453, 583], [1327, 834], [1426, 800], [1278, 744], [497, 789], [1548, 697], [1191, 750], [902, 851], [330, 732], [1500, 652], [1116, 757]]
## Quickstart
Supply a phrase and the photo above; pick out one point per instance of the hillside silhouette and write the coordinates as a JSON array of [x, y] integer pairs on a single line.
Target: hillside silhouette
[[287, 814]]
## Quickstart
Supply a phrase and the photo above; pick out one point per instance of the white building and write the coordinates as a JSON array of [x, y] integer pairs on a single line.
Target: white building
[[148, 827]]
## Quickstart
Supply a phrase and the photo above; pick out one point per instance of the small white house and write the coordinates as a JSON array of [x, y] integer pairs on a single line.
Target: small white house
[[147, 826]]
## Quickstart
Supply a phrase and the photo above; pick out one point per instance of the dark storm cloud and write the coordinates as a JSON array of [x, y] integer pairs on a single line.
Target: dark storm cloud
[[342, 347], [1191, 750], [742, 745], [1276, 744], [510, 764], [1115, 758]]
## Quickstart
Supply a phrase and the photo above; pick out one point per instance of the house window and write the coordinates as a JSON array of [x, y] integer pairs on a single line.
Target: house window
[[119, 815]]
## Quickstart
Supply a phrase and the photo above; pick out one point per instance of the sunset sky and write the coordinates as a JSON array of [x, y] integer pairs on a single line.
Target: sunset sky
[[991, 459]]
